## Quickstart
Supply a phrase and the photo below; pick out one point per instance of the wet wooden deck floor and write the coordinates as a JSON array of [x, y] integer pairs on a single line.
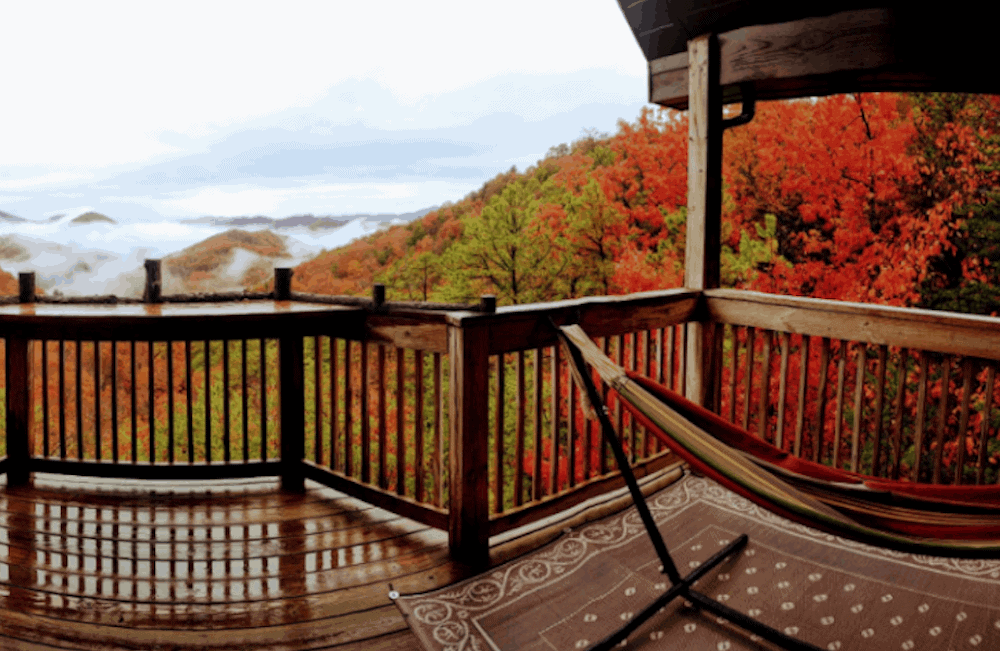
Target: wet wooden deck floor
[[235, 564]]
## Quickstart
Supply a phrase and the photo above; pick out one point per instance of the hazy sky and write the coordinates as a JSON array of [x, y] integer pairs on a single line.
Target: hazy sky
[[185, 109]]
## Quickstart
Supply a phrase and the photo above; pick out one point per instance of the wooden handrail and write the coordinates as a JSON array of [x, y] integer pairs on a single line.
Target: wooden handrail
[[943, 332]]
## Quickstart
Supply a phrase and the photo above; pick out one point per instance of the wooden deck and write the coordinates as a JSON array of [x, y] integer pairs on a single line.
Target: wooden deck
[[229, 564]]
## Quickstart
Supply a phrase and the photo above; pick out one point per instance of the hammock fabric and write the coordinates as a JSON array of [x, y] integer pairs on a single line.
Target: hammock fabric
[[932, 511], [964, 522]]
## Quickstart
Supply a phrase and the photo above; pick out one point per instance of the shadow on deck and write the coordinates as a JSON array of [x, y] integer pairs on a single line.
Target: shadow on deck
[[236, 564]]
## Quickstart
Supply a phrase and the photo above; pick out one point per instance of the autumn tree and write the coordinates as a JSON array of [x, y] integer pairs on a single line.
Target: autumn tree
[[506, 249]]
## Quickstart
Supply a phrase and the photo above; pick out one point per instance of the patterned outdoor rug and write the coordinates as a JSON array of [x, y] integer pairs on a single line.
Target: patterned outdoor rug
[[832, 592]]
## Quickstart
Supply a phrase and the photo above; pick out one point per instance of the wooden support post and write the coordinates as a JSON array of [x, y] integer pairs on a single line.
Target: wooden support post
[[378, 295], [26, 286], [18, 450], [293, 422], [469, 518], [283, 284], [704, 214], [154, 283]]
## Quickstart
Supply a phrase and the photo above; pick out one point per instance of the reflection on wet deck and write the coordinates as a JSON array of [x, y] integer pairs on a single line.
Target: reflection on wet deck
[[230, 564]]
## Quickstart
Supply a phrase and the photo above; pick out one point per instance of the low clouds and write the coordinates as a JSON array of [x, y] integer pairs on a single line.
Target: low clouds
[[330, 158]]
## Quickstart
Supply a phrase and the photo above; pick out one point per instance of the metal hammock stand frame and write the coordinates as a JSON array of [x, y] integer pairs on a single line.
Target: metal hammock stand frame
[[682, 587]]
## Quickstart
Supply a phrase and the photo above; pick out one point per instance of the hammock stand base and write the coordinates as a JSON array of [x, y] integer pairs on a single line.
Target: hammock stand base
[[680, 586]]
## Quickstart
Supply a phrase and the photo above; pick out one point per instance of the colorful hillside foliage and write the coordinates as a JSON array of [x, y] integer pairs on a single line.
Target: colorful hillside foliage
[[881, 198]]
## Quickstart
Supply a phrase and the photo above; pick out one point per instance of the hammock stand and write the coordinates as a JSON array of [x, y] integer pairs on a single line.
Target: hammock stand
[[680, 586]]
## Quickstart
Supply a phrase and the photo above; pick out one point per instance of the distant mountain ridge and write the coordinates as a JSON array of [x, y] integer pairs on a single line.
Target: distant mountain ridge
[[309, 220]]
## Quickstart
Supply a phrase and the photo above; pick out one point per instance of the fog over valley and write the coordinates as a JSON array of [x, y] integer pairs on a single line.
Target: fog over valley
[[92, 253]]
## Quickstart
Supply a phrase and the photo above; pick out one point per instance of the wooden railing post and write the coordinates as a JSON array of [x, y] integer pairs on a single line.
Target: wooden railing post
[[18, 451], [18, 445], [704, 214], [469, 518], [283, 284], [292, 411], [26, 286], [154, 282]]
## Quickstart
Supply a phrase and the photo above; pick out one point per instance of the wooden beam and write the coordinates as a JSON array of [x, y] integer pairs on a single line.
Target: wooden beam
[[469, 518], [851, 51], [704, 210]]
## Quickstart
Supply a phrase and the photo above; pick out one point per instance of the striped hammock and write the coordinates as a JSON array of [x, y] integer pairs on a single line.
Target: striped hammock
[[952, 521]]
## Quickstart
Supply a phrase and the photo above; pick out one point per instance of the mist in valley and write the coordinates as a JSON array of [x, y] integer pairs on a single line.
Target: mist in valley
[[96, 254]]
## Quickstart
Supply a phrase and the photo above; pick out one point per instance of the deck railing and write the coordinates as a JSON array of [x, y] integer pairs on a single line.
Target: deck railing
[[887, 392], [465, 418]]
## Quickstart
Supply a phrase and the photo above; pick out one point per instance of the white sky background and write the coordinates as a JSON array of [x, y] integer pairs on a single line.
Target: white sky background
[[181, 109]]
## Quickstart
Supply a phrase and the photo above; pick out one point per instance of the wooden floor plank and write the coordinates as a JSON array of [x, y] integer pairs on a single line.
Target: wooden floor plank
[[93, 565]]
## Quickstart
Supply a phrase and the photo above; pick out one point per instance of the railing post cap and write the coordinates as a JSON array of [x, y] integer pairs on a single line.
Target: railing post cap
[[488, 303], [378, 295]]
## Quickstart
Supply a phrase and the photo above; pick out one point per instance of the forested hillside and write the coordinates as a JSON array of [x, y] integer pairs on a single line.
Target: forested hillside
[[884, 198]]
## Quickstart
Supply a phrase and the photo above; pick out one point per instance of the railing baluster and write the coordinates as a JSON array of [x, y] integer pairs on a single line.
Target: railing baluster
[[226, 439], [135, 389], [189, 398], [918, 434], [207, 357], [382, 452], [418, 430], [77, 399], [633, 364], [170, 401], [536, 390], [498, 426], [333, 402], [683, 358], [838, 423], [317, 406], [824, 369], [61, 404], [779, 433], [572, 434], [619, 412], [263, 398], [519, 430], [366, 466], [897, 435], [859, 387], [400, 423], [647, 440], [883, 354], [733, 369], [800, 416], [670, 357], [151, 413], [963, 423], [348, 399], [748, 376], [45, 396], [246, 420], [438, 441], [984, 431], [606, 347], [942, 416], [114, 401], [659, 355], [62, 400], [554, 423], [97, 399], [764, 403]]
